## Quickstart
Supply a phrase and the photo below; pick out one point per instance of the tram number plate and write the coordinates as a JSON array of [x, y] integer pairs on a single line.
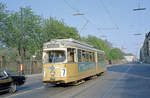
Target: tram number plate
[[52, 79]]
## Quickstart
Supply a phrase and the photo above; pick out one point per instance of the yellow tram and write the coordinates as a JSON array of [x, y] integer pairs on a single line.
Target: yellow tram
[[69, 61]]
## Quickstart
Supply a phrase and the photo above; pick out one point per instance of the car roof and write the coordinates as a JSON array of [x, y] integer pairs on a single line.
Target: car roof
[[1, 70]]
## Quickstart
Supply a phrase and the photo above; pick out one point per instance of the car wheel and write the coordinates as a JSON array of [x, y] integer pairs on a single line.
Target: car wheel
[[13, 88]]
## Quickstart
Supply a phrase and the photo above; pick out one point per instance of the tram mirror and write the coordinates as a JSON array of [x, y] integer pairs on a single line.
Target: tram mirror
[[45, 57]]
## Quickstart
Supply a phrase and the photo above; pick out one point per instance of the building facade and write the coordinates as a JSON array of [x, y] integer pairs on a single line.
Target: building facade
[[130, 58], [145, 49]]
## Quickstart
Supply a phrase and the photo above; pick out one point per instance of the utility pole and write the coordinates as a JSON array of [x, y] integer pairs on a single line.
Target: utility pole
[[22, 38], [139, 7], [21, 60], [84, 25]]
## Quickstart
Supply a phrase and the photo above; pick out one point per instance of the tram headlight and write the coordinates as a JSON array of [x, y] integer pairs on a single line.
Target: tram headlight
[[63, 72]]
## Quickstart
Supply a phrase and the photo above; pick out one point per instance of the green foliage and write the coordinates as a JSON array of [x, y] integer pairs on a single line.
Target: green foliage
[[9, 53], [3, 16], [53, 28], [32, 31], [111, 54], [98, 43], [25, 32], [116, 53], [29, 32], [3, 13]]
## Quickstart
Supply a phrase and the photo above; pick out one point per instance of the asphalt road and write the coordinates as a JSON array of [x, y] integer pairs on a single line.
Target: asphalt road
[[130, 80]]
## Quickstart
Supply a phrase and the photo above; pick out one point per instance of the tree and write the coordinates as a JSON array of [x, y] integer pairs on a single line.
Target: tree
[[3, 16], [32, 29], [25, 32], [8, 53], [98, 43], [53, 28], [111, 53], [3, 13], [116, 53]]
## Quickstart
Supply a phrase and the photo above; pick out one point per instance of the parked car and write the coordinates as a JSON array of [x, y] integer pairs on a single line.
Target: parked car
[[9, 82]]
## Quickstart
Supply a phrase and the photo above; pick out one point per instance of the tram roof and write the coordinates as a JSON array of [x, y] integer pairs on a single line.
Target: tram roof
[[75, 43]]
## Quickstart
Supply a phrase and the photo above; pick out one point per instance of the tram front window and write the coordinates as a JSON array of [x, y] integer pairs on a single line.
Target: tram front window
[[55, 56]]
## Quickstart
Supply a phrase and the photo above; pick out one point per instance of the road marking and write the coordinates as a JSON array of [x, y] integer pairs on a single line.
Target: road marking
[[142, 77], [115, 84], [79, 92], [23, 92], [31, 82]]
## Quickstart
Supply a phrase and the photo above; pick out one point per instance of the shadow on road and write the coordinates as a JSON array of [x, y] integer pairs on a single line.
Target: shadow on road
[[2, 93], [136, 69], [135, 84]]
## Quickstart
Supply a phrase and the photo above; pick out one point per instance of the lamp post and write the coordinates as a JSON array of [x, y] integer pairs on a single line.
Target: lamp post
[[21, 57], [137, 34], [78, 14], [139, 8], [84, 25]]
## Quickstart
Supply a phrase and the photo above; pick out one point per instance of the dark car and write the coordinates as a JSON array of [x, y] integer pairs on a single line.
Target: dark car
[[9, 82]]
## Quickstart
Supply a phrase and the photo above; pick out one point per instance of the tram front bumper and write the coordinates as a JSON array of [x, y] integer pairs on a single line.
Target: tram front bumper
[[53, 81]]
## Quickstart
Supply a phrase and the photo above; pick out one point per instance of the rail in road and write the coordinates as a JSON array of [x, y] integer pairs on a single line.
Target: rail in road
[[130, 80]]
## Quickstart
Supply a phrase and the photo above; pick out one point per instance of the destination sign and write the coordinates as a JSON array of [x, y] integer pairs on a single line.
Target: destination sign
[[53, 46]]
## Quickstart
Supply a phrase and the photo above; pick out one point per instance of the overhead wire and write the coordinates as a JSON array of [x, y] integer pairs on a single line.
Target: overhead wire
[[71, 6], [109, 15], [116, 27], [83, 16]]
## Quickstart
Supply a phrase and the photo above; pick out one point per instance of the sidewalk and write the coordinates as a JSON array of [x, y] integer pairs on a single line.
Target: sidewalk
[[34, 75]]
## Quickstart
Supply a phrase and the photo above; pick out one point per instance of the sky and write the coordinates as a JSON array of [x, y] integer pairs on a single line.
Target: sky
[[112, 20]]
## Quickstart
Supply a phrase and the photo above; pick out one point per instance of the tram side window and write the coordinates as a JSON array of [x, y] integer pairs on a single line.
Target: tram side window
[[93, 57], [79, 55], [87, 57], [71, 54], [83, 56], [100, 57]]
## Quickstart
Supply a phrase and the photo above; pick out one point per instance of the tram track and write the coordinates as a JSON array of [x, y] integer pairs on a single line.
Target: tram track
[[115, 83]]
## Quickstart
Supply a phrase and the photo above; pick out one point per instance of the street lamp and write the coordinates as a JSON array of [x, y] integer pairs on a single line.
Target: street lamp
[[84, 25], [137, 34], [138, 9], [78, 14]]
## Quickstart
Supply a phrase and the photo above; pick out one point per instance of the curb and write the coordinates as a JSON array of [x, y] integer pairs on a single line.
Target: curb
[[114, 65], [33, 75]]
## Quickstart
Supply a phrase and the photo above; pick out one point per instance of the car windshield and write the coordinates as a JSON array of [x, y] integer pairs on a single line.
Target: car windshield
[[54, 56]]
